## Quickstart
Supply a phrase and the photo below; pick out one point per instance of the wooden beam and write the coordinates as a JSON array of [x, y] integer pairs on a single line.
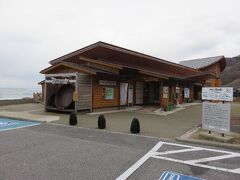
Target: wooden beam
[[104, 68], [100, 62], [78, 68], [153, 74], [61, 75]]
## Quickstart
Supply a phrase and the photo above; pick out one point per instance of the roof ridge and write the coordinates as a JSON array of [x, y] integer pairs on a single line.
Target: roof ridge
[[202, 58], [136, 53]]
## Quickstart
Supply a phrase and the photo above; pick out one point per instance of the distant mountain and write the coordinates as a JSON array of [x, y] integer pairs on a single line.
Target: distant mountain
[[231, 74]]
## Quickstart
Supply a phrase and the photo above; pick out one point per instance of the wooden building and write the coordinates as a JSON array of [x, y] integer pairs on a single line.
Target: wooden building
[[103, 75]]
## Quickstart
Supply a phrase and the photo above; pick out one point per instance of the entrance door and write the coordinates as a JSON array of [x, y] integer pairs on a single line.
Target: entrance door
[[151, 93]]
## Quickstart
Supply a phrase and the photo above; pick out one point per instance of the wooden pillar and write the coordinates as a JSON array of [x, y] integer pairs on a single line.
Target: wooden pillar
[[161, 93], [191, 93]]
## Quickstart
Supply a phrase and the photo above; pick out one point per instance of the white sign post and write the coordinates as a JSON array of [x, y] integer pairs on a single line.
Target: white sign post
[[216, 116], [217, 93]]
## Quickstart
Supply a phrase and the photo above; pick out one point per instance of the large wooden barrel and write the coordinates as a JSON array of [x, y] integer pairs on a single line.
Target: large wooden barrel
[[64, 96]]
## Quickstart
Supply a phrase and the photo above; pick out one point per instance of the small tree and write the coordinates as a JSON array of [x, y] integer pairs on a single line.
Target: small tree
[[135, 126], [73, 119], [101, 122]]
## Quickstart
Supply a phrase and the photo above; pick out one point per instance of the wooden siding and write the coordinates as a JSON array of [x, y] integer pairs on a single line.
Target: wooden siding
[[84, 89], [43, 92], [98, 99], [214, 82]]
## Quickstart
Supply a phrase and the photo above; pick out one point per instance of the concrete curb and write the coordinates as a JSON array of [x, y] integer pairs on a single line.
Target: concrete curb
[[185, 138], [209, 143], [22, 119], [115, 132]]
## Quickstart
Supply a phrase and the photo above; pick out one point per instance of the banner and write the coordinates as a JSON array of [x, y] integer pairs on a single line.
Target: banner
[[123, 93], [130, 94], [165, 92], [186, 92]]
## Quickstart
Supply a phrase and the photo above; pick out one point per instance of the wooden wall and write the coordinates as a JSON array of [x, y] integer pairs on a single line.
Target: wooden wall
[[84, 89], [97, 95], [214, 82], [43, 92]]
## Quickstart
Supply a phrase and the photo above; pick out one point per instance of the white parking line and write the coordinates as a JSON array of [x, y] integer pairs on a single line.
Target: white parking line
[[179, 151], [214, 158], [140, 162], [193, 164], [153, 153], [236, 171]]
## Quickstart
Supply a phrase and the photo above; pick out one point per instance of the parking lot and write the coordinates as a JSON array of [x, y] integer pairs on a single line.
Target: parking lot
[[48, 151]]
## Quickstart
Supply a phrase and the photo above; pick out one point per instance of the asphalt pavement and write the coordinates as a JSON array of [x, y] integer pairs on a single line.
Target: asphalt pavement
[[49, 151]]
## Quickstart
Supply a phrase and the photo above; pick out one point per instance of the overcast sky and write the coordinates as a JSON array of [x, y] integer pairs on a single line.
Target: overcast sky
[[34, 32]]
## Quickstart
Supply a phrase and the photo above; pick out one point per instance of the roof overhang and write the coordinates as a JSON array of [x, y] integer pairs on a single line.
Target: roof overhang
[[221, 61], [200, 76], [68, 65], [41, 82], [121, 57]]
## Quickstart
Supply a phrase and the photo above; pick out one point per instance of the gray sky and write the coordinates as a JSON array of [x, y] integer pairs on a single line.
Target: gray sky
[[34, 32]]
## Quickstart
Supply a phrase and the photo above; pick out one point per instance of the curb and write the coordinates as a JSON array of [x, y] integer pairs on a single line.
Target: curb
[[22, 119], [209, 143], [114, 132]]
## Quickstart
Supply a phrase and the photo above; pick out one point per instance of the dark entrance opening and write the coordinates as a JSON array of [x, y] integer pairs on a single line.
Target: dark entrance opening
[[151, 93], [197, 92]]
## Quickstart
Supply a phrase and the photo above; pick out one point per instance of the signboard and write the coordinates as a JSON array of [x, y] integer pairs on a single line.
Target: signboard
[[165, 91], [217, 93], [123, 93], [177, 95], [216, 117], [75, 96], [108, 93], [107, 83], [59, 81], [168, 175], [186, 92], [130, 94]]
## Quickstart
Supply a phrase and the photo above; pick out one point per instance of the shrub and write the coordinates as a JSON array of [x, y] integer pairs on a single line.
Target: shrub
[[73, 119], [135, 126], [101, 122]]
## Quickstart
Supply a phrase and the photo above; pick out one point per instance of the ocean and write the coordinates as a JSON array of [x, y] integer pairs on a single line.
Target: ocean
[[17, 93]]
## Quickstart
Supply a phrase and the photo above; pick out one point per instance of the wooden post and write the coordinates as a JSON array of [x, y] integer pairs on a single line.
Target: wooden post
[[76, 90], [160, 92]]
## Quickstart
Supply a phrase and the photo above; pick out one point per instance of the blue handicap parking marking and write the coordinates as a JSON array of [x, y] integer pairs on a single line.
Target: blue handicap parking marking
[[169, 175], [7, 124]]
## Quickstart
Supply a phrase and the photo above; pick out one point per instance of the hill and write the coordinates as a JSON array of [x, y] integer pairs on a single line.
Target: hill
[[231, 74]]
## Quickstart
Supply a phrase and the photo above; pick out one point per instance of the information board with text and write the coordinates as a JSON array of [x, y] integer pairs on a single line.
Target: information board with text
[[217, 93], [216, 117]]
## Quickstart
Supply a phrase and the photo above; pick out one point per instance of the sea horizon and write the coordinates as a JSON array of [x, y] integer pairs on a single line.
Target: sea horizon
[[17, 93]]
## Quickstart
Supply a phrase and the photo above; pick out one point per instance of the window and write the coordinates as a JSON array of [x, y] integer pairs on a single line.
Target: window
[[108, 93]]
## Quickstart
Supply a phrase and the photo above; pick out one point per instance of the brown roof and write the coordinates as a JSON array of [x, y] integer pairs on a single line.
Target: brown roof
[[205, 62], [70, 65], [78, 67], [115, 55]]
